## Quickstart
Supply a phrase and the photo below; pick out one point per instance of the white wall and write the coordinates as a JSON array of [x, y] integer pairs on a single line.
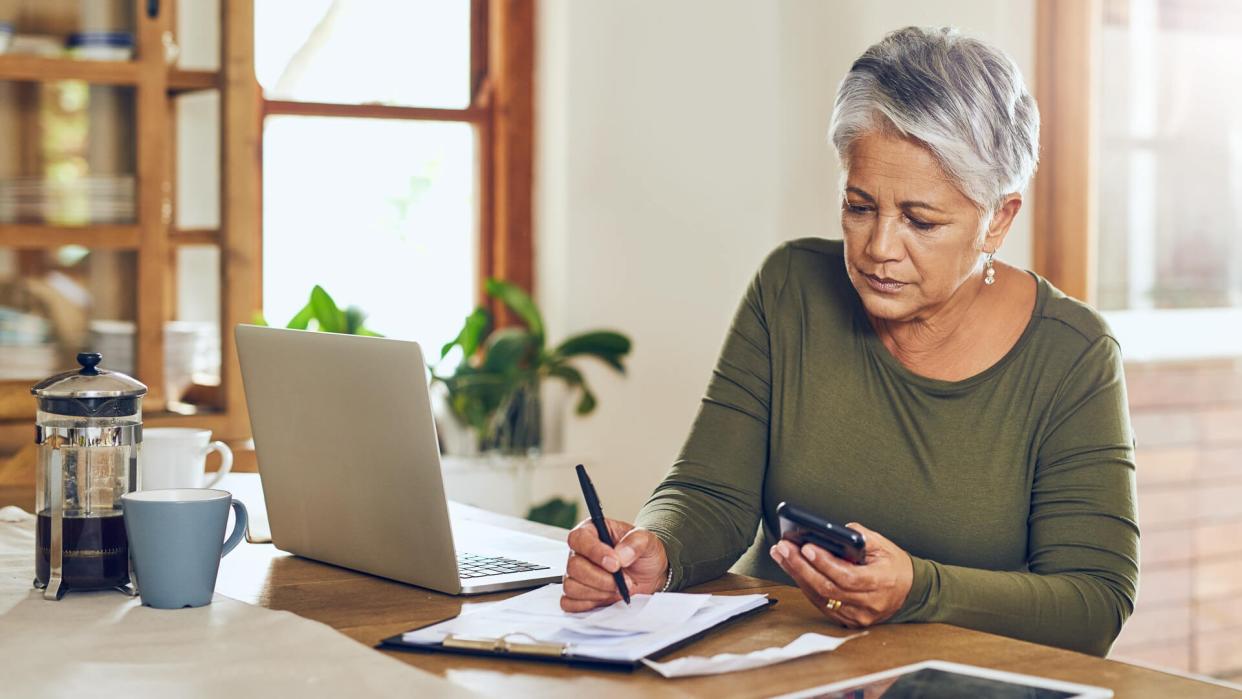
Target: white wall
[[678, 143]]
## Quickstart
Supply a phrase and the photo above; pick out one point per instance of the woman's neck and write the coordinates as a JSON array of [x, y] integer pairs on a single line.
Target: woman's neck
[[935, 339], [970, 332]]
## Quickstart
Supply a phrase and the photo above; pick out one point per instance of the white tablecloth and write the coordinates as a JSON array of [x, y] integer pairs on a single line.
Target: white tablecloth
[[105, 644]]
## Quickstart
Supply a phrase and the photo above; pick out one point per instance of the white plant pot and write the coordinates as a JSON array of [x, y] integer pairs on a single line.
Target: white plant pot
[[456, 438], [509, 484]]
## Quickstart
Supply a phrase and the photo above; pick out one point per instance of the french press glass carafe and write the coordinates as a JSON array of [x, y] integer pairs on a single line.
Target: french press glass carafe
[[88, 431]]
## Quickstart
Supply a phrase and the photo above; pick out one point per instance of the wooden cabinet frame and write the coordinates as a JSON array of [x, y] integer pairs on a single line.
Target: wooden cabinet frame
[[152, 236]]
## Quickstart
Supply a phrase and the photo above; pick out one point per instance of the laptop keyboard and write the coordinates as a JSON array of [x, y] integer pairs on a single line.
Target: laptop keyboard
[[471, 565]]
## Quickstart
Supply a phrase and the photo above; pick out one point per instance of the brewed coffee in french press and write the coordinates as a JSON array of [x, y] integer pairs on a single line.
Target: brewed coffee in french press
[[88, 431]]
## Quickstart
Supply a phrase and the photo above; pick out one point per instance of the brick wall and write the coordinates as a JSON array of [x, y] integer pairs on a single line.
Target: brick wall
[[1188, 425]]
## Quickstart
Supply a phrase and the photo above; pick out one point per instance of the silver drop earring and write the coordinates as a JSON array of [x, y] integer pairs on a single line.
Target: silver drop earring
[[989, 272]]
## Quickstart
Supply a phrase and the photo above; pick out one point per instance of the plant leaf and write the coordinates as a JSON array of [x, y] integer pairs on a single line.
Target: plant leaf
[[556, 512], [607, 346], [573, 377], [566, 373], [258, 319], [475, 397], [354, 319], [331, 318], [478, 325], [586, 405], [595, 342], [507, 348], [614, 362], [521, 304], [478, 380], [302, 318]]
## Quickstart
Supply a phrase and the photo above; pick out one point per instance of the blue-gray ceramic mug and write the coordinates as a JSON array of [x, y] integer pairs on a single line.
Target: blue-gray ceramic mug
[[176, 538]]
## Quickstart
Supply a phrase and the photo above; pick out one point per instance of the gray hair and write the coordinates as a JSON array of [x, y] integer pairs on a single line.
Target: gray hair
[[963, 99]]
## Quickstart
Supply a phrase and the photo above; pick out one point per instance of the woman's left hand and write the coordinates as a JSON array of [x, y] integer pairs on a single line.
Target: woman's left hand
[[867, 594]]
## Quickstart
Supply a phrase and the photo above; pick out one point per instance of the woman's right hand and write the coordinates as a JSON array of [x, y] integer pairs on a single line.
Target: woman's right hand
[[588, 574]]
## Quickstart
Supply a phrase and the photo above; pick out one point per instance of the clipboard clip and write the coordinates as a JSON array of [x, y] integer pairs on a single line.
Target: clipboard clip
[[504, 645]]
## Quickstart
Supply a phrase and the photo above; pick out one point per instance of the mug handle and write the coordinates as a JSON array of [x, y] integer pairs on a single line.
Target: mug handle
[[240, 522], [226, 461]]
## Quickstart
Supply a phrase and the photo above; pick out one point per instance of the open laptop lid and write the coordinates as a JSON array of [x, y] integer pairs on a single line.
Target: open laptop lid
[[347, 448]]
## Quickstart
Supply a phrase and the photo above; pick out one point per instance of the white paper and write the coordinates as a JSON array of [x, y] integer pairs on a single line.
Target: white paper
[[541, 601], [536, 616], [806, 644], [647, 613]]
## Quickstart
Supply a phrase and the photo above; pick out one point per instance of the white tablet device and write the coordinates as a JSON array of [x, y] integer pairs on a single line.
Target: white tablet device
[[937, 678]]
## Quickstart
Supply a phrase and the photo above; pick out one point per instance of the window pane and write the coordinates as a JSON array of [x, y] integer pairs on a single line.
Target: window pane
[[411, 53], [379, 212], [1170, 156]]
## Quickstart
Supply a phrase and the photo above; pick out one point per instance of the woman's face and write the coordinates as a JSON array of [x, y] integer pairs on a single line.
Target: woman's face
[[911, 237]]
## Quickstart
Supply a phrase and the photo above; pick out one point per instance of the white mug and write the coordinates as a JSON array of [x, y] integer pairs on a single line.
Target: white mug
[[175, 457]]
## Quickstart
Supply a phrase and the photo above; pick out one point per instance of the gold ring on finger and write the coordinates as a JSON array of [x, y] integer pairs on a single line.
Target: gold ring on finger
[[833, 604]]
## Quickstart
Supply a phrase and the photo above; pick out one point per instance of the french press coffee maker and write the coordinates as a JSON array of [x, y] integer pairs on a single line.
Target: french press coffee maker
[[88, 431]]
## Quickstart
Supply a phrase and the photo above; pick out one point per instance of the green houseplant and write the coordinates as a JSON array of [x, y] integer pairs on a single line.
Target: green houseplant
[[494, 390], [321, 313]]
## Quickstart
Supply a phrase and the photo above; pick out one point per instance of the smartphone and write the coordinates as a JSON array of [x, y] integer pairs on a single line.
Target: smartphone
[[802, 527]]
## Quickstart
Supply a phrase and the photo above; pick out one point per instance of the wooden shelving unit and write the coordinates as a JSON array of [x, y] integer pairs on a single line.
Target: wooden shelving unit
[[152, 237], [180, 81], [40, 69], [195, 236], [36, 236]]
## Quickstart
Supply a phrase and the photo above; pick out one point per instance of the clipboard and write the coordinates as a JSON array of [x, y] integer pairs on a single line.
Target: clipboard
[[511, 647]]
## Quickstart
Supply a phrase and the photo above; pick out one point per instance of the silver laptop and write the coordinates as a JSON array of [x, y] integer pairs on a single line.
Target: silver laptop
[[347, 447]]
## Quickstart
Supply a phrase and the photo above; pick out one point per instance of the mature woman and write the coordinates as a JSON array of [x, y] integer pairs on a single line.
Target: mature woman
[[964, 414]]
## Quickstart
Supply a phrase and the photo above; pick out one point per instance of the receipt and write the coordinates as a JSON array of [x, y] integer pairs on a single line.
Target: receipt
[[806, 644]]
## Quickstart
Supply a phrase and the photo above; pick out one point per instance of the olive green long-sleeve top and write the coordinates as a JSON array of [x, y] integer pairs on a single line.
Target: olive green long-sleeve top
[[1012, 491]]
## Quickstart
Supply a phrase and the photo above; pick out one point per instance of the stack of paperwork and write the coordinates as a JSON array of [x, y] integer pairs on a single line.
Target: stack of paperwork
[[621, 633]]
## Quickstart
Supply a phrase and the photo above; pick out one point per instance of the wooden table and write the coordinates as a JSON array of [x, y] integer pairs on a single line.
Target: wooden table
[[369, 609]]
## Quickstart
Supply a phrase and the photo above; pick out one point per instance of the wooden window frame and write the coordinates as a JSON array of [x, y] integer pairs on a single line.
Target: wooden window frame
[[1066, 238], [501, 109], [1066, 200]]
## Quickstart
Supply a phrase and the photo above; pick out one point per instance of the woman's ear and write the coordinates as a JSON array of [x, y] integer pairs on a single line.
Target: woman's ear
[[998, 227]]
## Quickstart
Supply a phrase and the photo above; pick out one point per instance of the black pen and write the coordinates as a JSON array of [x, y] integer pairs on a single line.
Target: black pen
[[597, 518]]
